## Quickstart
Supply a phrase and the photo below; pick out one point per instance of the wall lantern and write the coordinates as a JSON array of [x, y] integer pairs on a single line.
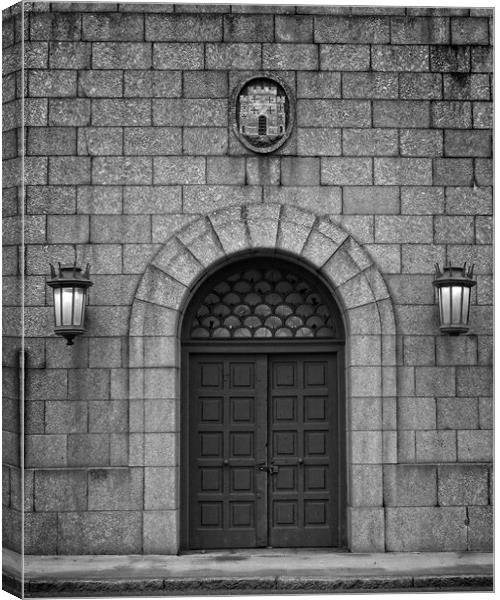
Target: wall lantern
[[70, 294], [454, 285]]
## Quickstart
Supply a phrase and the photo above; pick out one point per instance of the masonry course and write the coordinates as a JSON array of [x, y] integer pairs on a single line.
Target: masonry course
[[129, 138]]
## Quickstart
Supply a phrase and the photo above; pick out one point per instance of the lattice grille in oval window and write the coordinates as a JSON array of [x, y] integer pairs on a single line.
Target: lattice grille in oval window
[[262, 302]]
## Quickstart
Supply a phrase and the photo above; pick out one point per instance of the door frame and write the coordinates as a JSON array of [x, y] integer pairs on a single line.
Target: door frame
[[273, 346]]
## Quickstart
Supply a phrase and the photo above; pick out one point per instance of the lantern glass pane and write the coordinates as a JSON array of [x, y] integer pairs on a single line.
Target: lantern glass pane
[[445, 305], [67, 306], [79, 305], [57, 306], [456, 316], [465, 306]]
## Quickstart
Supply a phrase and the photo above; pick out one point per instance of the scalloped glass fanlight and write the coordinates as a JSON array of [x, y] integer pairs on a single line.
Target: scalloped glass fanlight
[[262, 303]]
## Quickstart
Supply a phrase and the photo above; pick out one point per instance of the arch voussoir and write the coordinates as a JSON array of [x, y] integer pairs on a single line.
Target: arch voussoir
[[176, 260], [262, 222], [231, 230], [202, 241], [160, 288]]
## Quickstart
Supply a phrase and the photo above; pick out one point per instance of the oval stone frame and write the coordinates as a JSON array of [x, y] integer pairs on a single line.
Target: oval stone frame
[[289, 112]]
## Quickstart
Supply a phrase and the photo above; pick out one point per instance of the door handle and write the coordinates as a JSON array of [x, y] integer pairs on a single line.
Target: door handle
[[271, 469]]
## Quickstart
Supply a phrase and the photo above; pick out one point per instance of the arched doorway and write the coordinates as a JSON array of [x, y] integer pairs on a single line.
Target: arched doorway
[[263, 410]]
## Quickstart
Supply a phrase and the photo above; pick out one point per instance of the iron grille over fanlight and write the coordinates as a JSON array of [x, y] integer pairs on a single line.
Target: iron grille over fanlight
[[454, 289], [69, 286]]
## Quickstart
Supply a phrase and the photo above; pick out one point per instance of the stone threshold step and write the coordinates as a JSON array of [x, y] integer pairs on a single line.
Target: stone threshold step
[[39, 588]]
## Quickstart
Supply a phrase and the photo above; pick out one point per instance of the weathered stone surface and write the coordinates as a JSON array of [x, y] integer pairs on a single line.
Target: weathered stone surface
[[160, 449], [420, 86], [159, 288], [475, 445], [452, 114], [115, 27], [369, 85], [97, 532], [55, 26], [160, 491], [337, 113], [363, 30], [108, 416], [366, 446], [151, 199], [205, 140], [190, 112], [234, 56], [184, 28], [425, 529], [321, 199], [366, 485], [161, 415], [410, 485], [68, 112], [322, 84], [462, 485], [287, 56], [449, 58], [346, 171], [65, 416], [202, 241], [122, 55], [100, 84], [486, 413], [152, 84], [367, 529], [400, 58], [462, 86], [403, 171], [436, 446], [206, 198], [420, 30], [177, 260], [344, 57], [242, 28], [474, 381], [64, 490], [70, 55], [481, 59], [417, 142], [40, 533], [469, 31], [115, 489], [481, 528], [52, 83], [122, 170], [88, 449], [45, 451], [293, 29], [366, 413], [160, 532], [98, 141], [262, 170]]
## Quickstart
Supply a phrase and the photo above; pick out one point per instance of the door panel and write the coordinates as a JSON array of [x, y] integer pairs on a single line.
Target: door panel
[[227, 424], [263, 451], [302, 498]]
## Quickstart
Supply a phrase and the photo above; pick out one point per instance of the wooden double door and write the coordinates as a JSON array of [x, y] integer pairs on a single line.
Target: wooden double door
[[264, 451]]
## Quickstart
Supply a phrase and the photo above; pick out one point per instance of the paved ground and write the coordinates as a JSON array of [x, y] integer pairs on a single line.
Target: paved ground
[[243, 572]]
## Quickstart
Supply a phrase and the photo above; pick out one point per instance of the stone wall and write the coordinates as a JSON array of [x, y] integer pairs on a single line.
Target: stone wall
[[129, 139]]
